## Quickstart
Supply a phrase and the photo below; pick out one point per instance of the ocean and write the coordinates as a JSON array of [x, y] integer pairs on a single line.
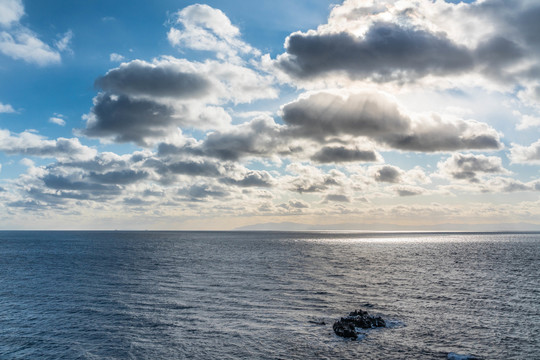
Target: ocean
[[267, 295]]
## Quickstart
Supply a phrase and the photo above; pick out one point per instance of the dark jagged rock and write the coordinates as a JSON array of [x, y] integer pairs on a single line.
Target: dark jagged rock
[[346, 327], [362, 319]]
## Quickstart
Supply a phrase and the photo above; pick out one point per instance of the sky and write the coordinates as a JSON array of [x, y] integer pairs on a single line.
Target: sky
[[212, 116]]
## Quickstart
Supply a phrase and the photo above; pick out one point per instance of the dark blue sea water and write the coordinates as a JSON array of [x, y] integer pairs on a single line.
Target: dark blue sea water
[[257, 295]]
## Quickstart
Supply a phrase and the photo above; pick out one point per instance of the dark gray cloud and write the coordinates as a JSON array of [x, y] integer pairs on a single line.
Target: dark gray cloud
[[259, 137], [376, 116], [525, 20], [100, 163], [505, 184], [408, 191], [194, 168], [168, 166], [337, 198], [298, 204], [203, 191], [518, 39], [141, 102], [27, 205], [514, 186], [437, 135], [387, 173], [140, 78], [251, 179], [58, 190], [59, 182], [498, 51], [135, 201], [387, 52], [156, 193], [126, 119], [122, 177], [337, 154], [503, 34], [59, 197], [165, 149], [313, 185], [469, 166]]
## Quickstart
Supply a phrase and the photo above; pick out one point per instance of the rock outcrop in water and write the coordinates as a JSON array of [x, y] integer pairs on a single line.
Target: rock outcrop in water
[[346, 327]]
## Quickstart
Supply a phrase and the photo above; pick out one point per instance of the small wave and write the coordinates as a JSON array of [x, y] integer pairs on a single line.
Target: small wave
[[392, 323], [456, 356]]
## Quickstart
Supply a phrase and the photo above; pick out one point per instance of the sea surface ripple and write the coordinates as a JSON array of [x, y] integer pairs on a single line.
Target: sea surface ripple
[[264, 295]]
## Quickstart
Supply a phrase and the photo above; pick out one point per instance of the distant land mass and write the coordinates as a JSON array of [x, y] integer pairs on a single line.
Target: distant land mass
[[291, 226]]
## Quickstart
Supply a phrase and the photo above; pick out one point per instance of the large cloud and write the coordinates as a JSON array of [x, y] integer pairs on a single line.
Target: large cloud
[[400, 41], [387, 51], [376, 116], [142, 102]]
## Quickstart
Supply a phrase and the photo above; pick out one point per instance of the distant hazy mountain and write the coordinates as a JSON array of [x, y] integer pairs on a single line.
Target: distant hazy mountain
[[290, 226]]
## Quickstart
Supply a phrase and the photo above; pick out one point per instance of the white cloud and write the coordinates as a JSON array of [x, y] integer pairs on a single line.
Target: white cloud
[[526, 121], [10, 11], [209, 29], [28, 143], [6, 108], [114, 57], [63, 43], [20, 43], [27, 162], [57, 119], [525, 154], [24, 45]]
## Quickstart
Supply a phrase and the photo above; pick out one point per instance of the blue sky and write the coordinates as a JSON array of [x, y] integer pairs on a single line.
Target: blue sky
[[215, 115]]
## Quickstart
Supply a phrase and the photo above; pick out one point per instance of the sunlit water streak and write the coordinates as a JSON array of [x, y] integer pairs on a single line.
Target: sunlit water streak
[[246, 295]]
